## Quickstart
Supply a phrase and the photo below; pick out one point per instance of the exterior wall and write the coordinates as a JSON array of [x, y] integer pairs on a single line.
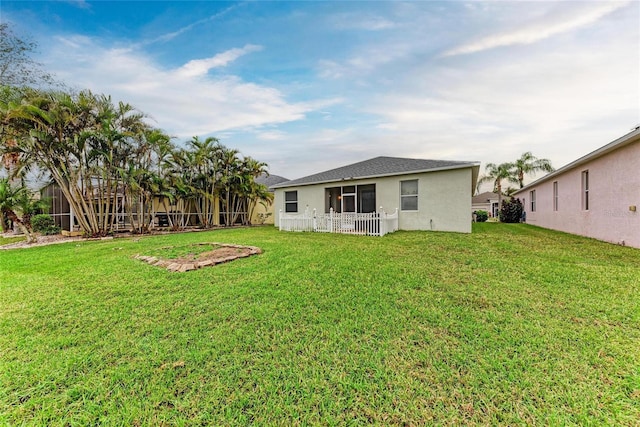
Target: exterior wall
[[268, 213], [444, 199], [488, 206], [614, 189], [486, 202]]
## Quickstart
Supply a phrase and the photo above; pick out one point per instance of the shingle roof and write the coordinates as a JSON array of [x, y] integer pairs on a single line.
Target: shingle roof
[[270, 180], [484, 197], [377, 167]]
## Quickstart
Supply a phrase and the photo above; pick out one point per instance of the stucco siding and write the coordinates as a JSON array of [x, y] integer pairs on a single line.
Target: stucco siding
[[262, 214], [614, 189], [444, 199]]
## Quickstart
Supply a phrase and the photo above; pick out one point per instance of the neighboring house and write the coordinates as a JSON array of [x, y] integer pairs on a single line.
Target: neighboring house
[[264, 213], [428, 194], [596, 196], [486, 201]]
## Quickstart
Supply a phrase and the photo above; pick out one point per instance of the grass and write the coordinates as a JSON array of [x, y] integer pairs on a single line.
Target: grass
[[510, 325], [9, 240]]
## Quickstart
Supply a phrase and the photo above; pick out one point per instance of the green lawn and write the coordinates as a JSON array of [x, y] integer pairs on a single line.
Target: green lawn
[[8, 240], [509, 325]]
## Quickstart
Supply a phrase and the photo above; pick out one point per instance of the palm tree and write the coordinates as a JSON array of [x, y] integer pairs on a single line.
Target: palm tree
[[12, 198], [510, 190], [229, 181], [254, 193], [497, 174], [528, 163], [201, 162], [7, 201], [81, 140]]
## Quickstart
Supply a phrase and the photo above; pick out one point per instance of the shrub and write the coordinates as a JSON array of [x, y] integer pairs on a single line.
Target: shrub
[[482, 216], [511, 211], [44, 224]]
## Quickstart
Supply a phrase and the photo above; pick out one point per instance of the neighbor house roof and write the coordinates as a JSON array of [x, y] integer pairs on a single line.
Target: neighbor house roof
[[270, 180], [484, 198], [631, 137], [379, 167]]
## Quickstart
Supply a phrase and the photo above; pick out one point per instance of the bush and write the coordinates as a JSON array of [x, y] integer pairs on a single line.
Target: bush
[[511, 211], [44, 224], [482, 216]]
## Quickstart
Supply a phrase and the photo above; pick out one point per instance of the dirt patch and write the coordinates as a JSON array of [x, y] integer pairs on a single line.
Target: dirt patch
[[42, 241], [194, 260]]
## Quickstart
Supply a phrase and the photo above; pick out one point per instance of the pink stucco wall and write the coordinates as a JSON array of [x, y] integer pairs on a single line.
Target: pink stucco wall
[[614, 188]]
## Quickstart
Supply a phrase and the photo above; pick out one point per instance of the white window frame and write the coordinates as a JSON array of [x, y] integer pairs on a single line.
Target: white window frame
[[532, 200], [555, 196], [291, 203], [404, 197], [585, 190]]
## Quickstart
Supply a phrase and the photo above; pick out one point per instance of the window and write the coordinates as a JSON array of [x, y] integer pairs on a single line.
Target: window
[[291, 201], [351, 198], [585, 190], [532, 196], [367, 198], [333, 199], [348, 198], [409, 195], [555, 195]]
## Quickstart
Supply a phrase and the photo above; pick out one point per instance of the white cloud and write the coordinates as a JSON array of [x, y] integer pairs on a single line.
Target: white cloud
[[560, 104], [361, 21], [330, 69], [271, 135], [183, 101], [369, 59], [557, 105], [541, 30], [199, 67]]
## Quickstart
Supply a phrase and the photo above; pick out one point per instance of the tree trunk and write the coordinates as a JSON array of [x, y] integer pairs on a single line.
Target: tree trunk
[[11, 215], [3, 222], [499, 187], [166, 210]]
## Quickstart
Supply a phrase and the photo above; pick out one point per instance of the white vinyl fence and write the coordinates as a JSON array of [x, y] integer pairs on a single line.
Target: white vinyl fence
[[370, 224]]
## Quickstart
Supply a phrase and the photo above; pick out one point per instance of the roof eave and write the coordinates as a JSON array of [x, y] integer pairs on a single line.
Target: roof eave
[[384, 175], [629, 138]]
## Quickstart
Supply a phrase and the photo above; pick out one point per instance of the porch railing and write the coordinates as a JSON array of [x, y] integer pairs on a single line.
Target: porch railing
[[370, 224]]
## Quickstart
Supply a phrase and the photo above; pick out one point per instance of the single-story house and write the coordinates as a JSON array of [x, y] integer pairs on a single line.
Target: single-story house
[[596, 196], [427, 194], [486, 201], [263, 213]]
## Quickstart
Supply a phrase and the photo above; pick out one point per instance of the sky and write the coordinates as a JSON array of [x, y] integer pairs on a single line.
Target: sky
[[308, 86]]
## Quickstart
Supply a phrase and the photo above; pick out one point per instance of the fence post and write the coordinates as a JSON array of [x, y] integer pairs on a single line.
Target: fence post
[[331, 220], [383, 223], [315, 222], [396, 220]]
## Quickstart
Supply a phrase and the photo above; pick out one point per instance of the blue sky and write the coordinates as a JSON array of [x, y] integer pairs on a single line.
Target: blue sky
[[308, 86]]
